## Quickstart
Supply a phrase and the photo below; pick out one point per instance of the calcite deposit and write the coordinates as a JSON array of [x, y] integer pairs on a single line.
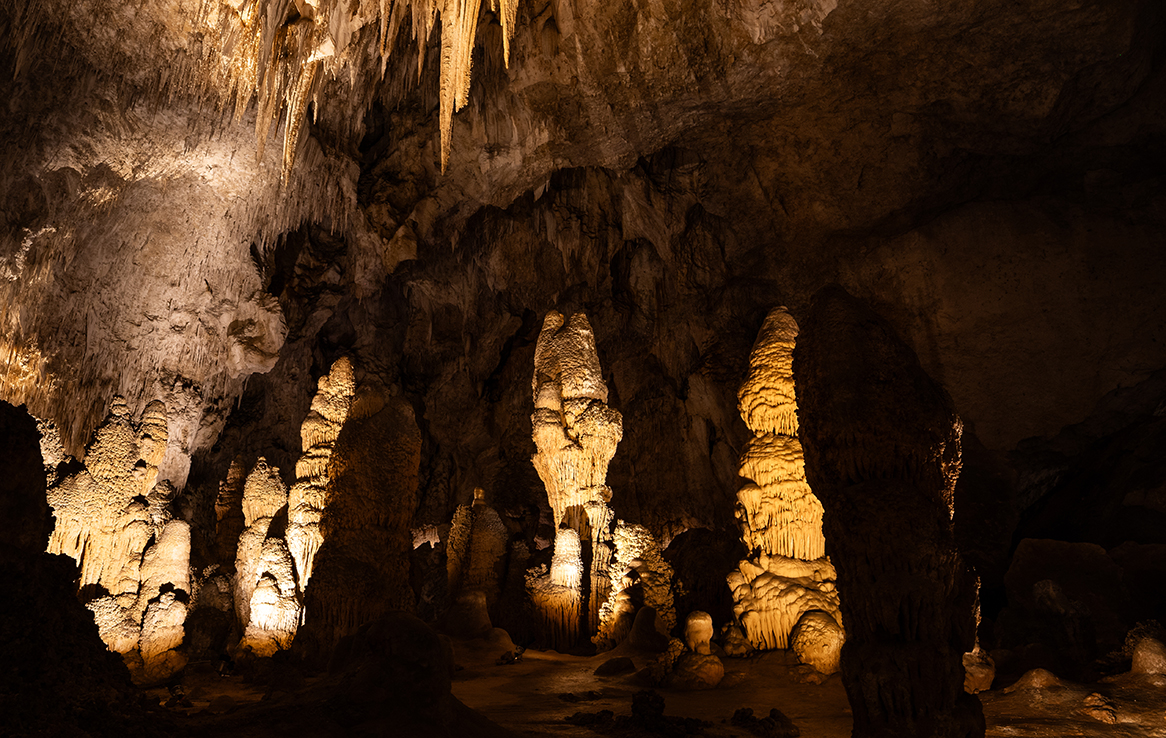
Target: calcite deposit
[[309, 495], [788, 574], [576, 434]]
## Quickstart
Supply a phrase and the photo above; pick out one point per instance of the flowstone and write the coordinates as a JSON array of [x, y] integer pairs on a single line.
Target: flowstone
[[788, 573]]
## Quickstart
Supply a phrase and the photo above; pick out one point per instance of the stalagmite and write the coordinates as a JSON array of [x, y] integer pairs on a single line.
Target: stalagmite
[[362, 571], [309, 495], [557, 595], [576, 434], [264, 495], [882, 450], [274, 605], [485, 550], [788, 573], [638, 561], [107, 514], [99, 523], [229, 522]]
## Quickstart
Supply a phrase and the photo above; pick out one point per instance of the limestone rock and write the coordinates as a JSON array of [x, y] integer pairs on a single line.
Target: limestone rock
[[979, 671], [698, 631], [309, 495], [1149, 657], [576, 434], [882, 452], [780, 518], [733, 641], [817, 641], [694, 671]]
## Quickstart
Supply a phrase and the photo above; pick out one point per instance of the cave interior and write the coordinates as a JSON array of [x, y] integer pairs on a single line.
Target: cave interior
[[569, 367]]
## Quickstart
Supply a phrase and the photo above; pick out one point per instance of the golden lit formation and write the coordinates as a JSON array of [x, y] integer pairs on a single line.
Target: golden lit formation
[[282, 53]]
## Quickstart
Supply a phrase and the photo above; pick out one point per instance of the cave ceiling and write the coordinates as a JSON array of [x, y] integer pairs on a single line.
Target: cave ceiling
[[988, 173]]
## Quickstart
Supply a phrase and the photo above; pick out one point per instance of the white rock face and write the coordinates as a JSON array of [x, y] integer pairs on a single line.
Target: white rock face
[[781, 519], [576, 434], [817, 640], [309, 495]]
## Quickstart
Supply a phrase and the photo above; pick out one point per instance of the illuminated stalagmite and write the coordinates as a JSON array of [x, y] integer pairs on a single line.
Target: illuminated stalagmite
[[787, 575], [638, 562], [264, 496], [99, 521], [882, 451], [557, 596], [309, 495], [576, 434], [107, 515]]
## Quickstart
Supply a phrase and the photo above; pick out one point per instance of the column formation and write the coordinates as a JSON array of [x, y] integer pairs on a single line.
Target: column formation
[[576, 435], [787, 573]]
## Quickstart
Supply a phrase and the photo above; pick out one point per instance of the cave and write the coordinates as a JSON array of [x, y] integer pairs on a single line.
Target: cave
[[740, 368]]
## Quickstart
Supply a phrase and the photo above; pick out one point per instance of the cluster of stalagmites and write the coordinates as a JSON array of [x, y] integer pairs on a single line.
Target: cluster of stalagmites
[[786, 588], [114, 518], [117, 521]]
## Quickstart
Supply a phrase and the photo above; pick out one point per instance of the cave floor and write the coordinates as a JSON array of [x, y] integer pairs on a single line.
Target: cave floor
[[536, 696]]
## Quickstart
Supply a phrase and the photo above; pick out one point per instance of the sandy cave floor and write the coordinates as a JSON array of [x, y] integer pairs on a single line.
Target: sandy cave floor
[[536, 696]]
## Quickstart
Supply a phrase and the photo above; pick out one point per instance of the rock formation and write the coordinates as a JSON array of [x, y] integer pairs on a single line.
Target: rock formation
[[638, 564], [576, 434], [361, 571], [788, 573], [114, 519], [882, 452], [309, 495], [259, 564], [557, 595]]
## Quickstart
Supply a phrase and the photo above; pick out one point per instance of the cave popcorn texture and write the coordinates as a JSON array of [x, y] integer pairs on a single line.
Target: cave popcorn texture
[[113, 519], [576, 435], [788, 574]]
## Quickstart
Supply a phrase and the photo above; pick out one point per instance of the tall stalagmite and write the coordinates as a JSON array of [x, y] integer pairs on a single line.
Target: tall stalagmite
[[882, 451], [309, 495], [362, 569], [576, 434], [787, 574]]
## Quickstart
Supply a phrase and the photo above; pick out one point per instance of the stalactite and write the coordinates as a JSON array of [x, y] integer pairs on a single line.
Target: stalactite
[[309, 495], [255, 51], [576, 435], [781, 519]]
